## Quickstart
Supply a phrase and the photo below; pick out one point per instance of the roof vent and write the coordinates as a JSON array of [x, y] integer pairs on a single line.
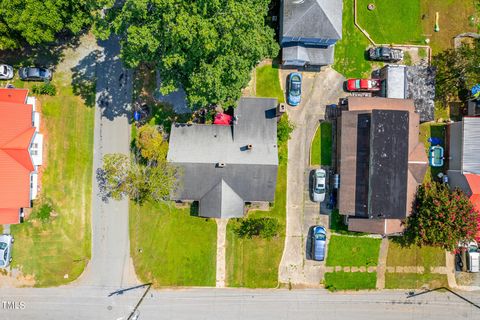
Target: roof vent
[[249, 147], [220, 165]]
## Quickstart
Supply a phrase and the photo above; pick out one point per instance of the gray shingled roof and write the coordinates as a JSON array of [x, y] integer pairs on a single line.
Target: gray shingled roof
[[312, 56], [319, 19], [471, 145], [247, 174], [221, 202]]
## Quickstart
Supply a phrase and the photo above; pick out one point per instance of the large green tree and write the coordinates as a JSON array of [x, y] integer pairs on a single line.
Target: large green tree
[[208, 47], [441, 217], [457, 71], [39, 21]]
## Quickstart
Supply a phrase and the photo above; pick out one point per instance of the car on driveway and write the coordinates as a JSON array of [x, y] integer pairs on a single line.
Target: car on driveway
[[6, 242], [294, 89], [363, 84], [319, 188], [35, 74], [319, 241], [6, 72]]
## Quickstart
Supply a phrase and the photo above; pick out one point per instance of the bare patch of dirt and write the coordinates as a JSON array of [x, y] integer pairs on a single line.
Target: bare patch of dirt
[[15, 279]]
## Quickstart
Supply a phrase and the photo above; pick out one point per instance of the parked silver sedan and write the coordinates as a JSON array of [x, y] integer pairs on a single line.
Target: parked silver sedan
[[319, 189], [6, 242]]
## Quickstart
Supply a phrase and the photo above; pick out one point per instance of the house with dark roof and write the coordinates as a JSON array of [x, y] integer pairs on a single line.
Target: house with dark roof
[[20, 153], [464, 158], [309, 30], [380, 162], [224, 166]]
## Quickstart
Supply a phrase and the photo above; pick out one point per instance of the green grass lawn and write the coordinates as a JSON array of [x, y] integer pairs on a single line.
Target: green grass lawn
[[384, 24], [415, 256], [49, 250], [455, 17], [253, 263], [321, 153], [415, 280], [350, 51], [350, 280], [352, 251], [268, 83], [171, 246], [427, 130]]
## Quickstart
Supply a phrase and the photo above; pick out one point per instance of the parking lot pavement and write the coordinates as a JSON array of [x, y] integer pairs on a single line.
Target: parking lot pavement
[[318, 90]]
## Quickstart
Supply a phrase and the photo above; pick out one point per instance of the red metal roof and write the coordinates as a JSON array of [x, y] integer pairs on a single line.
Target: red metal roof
[[13, 95], [9, 216], [474, 183], [16, 134]]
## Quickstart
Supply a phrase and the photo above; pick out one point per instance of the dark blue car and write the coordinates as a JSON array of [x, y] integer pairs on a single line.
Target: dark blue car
[[294, 89], [319, 241]]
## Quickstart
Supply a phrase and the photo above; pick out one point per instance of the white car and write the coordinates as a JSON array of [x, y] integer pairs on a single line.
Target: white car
[[6, 242], [319, 188], [473, 257], [6, 72]]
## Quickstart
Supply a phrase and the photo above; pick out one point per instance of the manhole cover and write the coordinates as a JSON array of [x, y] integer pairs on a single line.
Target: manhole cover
[[109, 307]]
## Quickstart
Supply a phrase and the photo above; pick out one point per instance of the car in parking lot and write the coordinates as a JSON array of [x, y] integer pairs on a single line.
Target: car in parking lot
[[6, 72], [319, 188], [6, 242], [34, 74], [319, 241], [294, 89]]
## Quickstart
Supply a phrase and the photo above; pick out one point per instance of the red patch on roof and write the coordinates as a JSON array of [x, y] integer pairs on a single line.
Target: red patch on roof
[[13, 95], [223, 119], [363, 83], [16, 134]]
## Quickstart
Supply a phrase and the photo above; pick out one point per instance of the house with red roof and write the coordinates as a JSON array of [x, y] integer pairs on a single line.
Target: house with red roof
[[21, 147], [464, 158]]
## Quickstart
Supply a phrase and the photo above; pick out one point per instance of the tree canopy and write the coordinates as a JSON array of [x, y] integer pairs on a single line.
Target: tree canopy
[[148, 176], [441, 217], [458, 70], [208, 47], [39, 21]]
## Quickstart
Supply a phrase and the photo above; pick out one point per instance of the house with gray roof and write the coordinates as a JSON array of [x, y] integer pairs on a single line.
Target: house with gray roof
[[222, 167], [309, 30]]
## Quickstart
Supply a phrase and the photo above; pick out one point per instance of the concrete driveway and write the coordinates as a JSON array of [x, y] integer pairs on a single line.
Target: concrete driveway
[[319, 89]]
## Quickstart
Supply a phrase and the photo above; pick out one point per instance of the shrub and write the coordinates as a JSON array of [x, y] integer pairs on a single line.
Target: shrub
[[43, 211], [46, 88], [266, 228], [284, 129]]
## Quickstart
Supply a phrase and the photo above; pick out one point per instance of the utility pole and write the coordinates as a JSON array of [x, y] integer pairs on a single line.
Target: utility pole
[[130, 317]]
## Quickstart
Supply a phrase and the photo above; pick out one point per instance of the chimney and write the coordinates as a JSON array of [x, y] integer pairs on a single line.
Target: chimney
[[220, 165], [249, 147]]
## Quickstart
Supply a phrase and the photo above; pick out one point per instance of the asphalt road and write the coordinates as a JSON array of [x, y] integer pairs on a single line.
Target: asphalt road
[[94, 303], [111, 264]]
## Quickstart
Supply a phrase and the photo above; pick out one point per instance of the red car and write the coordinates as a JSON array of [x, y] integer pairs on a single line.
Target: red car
[[363, 84]]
